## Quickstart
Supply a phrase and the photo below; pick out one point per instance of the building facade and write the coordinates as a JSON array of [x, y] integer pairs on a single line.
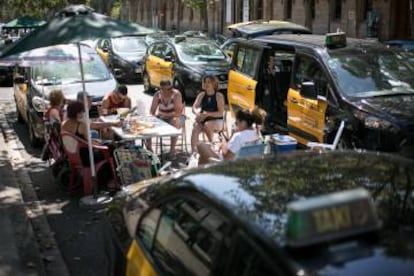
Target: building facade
[[382, 19]]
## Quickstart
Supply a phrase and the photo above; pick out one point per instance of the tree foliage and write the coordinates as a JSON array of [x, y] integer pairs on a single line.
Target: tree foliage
[[194, 4]]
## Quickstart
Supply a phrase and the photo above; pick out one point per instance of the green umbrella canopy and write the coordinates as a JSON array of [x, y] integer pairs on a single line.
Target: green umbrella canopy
[[73, 25], [24, 22]]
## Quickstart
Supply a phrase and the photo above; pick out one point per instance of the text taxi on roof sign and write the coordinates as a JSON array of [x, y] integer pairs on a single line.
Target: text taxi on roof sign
[[319, 81]]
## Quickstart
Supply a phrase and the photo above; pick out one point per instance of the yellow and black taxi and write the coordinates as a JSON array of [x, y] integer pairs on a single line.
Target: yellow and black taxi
[[310, 83], [336, 213], [124, 55], [186, 61]]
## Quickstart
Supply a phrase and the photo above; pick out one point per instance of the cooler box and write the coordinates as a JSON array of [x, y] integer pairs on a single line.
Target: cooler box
[[282, 143]]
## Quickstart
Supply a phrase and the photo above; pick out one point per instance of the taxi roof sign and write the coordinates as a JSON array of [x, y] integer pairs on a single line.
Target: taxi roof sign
[[329, 217], [335, 40]]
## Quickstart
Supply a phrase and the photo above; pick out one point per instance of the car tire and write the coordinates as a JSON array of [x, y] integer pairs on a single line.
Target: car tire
[[34, 141], [147, 83], [177, 84], [20, 118]]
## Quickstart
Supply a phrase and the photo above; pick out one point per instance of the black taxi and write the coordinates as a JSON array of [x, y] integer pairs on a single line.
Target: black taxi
[[310, 83], [185, 60], [335, 213]]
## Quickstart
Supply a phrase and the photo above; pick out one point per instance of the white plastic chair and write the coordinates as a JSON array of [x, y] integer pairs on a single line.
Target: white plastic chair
[[324, 146]]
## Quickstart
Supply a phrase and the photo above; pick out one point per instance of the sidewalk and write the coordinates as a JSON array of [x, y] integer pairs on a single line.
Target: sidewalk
[[22, 250]]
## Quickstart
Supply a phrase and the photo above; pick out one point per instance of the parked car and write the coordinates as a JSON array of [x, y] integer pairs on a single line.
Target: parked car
[[257, 28], [123, 55], [319, 81], [186, 61], [32, 85], [336, 213]]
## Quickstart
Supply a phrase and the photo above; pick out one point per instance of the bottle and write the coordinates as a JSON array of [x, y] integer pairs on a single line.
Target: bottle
[[141, 109]]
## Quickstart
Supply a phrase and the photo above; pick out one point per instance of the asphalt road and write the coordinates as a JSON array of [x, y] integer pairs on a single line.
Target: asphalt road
[[78, 231]]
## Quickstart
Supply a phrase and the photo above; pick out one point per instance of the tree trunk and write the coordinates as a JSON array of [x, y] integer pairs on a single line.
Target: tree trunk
[[308, 14], [412, 18], [204, 15]]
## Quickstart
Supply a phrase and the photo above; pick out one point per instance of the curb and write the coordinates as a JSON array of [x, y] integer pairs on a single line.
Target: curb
[[37, 229]]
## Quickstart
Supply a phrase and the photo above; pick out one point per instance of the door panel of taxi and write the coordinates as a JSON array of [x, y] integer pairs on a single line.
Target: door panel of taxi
[[181, 236], [102, 48], [306, 116], [167, 63], [154, 63], [21, 89], [243, 78]]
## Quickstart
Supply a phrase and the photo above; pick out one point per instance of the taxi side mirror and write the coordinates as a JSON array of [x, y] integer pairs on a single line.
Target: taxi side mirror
[[308, 90], [169, 59], [105, 49]]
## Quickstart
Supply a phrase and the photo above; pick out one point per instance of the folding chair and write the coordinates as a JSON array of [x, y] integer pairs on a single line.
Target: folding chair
[[324, 146], [72, 145], [182, 139], [249, 151]]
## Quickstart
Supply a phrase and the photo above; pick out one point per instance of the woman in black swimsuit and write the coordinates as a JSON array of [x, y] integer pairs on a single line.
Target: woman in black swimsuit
[[208, 108], [75, 124]]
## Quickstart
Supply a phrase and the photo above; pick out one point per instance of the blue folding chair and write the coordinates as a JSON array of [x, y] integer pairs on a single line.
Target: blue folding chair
[[254, 150]]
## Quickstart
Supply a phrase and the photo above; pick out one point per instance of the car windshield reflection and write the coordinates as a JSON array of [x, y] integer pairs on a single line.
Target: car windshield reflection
[[129, 44], [68, 72], [361, 73], [200, 52]]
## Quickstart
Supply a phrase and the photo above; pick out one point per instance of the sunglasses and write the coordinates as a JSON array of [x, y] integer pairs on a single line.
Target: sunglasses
[[166, 88]]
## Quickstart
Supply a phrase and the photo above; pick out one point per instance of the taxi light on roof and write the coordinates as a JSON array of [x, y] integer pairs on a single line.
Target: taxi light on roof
[[335, 40], [329, 217]]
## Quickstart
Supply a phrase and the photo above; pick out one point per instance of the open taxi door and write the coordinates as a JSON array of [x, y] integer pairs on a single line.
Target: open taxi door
[[243, 76]]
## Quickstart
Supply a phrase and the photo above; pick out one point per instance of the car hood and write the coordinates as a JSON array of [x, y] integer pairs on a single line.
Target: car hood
[[210, 66], [393, 108], [131, 56], [96, 89]]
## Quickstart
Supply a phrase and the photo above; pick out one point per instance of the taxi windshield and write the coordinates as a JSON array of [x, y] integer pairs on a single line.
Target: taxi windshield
[[69, 71], [129, 44], [196, 52], [371, 72]]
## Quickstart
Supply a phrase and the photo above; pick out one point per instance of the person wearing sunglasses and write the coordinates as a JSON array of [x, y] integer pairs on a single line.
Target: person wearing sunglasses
[[167, 104]]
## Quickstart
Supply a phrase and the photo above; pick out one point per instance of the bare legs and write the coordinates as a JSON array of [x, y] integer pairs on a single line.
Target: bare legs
[[209, 128]]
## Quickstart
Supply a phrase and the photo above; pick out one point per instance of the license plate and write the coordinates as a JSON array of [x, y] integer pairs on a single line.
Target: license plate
[[222, 86], [138, 70]]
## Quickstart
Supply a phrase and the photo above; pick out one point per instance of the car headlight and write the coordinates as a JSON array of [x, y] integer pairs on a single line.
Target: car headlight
[[196, 77], [377, 123], [39, 104]]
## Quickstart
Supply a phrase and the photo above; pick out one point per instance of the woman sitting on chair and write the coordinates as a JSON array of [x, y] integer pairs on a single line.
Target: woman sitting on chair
[[248, 132], [75, 124], [55, 112], [167, 105], [208, 108]]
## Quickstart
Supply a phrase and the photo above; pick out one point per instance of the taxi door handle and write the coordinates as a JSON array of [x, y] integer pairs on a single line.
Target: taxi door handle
[[249, 87], [294, 101]]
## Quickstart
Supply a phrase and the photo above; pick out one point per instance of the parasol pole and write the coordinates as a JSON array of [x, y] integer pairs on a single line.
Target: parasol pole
[[85, 101]]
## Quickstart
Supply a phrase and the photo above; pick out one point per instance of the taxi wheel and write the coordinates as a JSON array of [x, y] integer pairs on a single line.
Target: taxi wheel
[[34, 141], [20, 118], [147, 83]]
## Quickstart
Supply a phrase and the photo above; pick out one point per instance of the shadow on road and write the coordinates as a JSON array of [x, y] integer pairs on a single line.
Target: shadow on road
[[77, 231]]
